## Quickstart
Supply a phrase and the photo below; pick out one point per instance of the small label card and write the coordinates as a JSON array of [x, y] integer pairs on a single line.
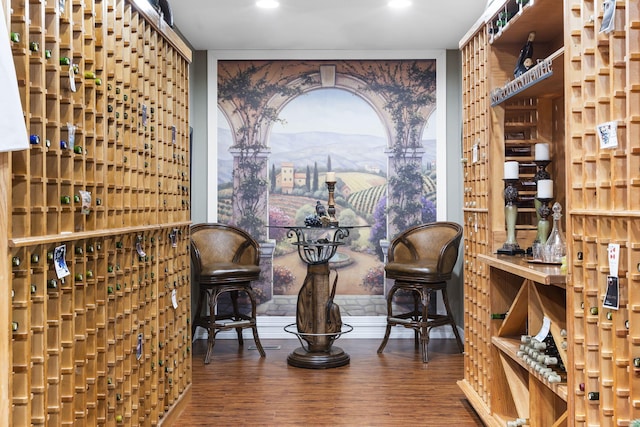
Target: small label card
[[544, 329], [139, 346], [174, 298], [613, 289], [59, 254], [613, 293], [608, 133]]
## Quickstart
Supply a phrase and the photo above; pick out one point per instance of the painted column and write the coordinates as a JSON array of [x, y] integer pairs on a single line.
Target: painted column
[[250, 190]]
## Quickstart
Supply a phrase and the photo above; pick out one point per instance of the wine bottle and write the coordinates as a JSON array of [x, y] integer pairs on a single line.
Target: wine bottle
[[525, 60]]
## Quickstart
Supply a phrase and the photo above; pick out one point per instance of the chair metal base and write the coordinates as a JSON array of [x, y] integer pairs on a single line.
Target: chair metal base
[[216, 322], [421, 321]]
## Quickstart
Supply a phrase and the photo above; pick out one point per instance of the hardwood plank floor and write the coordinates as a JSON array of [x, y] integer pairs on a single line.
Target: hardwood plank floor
[[238, 388]]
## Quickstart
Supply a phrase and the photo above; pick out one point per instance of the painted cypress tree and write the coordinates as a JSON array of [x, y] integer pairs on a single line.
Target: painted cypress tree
[[272, 178], [315, 176]]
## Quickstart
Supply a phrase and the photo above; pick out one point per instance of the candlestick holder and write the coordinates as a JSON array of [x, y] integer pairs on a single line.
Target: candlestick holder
[[541, 172], [510, 247], [331, 203], [543, 223]]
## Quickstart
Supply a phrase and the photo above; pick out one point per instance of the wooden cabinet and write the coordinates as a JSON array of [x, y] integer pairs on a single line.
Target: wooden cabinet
[[595, 81], [104, 89], [526, 302], [504, 118]]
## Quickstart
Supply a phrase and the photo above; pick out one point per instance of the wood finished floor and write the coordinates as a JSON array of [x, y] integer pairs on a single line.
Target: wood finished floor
[[238, 388]]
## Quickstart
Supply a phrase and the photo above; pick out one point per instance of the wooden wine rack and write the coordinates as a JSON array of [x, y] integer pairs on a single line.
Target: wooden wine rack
[[596, 80], [498, 383], [603, 86], [476, 143], [110, 343]]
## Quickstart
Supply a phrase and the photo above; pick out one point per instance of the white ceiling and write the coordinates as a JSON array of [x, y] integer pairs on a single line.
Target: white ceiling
[[324, 24]]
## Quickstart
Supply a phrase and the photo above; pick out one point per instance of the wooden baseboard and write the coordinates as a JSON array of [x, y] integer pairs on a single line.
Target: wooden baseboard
[[169, 419], [481, 408]]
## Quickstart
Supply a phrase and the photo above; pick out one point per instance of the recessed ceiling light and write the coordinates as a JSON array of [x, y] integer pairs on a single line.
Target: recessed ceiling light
[[399, 3], [267, 4]]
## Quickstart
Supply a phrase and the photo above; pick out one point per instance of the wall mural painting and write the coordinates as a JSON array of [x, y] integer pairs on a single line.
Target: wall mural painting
[[284, 124]]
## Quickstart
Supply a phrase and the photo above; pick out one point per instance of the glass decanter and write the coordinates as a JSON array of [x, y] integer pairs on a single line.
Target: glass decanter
[[556, 246]]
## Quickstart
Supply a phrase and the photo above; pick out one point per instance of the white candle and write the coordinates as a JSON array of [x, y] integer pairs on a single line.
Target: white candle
[[542, 151], [331, 177], [545, 189], [511, 170]]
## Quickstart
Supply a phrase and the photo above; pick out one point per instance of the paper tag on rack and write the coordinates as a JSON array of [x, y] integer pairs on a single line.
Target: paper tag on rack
[[174, 299], [608, 16], [612, 297], [72, 80], [139, 250], [59, 253], [613, 253], [544, 329], [474, 153], [139, 346], [144, 114], [608, 133]]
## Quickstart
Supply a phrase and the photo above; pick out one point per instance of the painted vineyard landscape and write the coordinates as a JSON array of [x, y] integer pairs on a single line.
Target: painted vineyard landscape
[[298, 162]]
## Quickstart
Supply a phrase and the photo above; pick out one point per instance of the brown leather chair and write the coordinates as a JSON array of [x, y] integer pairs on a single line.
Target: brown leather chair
[[421, 260], [225, 259]]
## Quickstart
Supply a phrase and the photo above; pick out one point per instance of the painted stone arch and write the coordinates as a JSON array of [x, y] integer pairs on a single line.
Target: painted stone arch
[[327, 78]]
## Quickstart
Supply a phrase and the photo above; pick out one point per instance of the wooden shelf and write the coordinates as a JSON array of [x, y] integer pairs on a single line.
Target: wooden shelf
[[545, 17], [510, 347], [518, 265]]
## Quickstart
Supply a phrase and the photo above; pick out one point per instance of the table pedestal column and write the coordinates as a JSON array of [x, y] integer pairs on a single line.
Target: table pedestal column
[[312, 323]]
